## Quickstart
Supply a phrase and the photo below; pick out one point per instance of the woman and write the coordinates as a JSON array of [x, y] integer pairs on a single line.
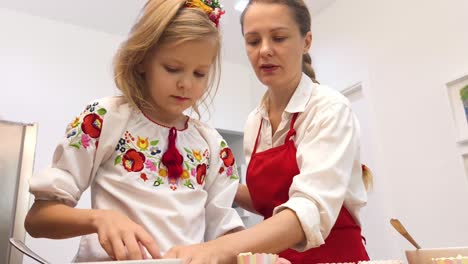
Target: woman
[[302, 146]]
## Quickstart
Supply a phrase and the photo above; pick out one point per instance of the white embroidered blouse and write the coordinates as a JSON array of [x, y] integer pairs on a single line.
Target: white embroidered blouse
[[116, 150]]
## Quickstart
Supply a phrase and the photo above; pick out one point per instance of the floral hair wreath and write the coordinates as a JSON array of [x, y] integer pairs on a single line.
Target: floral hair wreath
[[212, 8]]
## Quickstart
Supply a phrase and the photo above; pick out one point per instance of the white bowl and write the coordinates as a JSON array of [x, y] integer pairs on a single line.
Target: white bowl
[[424, 256], [146, 261]]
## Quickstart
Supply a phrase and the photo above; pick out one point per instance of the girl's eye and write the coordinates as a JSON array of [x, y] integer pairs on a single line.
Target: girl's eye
[[171, 69], [199, 74]]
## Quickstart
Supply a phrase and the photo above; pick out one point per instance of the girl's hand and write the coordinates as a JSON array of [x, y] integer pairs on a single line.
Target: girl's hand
[[206, 253], [122, 238]]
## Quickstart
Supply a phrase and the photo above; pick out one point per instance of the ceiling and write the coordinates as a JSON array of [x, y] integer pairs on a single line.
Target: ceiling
[[116, 17]]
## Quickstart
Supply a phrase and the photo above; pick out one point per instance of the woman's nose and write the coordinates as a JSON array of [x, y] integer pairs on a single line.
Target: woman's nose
[[266, 49]]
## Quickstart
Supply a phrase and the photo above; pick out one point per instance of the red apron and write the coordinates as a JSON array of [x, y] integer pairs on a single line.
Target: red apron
[[269, 177]]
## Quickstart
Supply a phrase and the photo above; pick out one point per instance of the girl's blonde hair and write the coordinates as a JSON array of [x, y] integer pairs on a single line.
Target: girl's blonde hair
[[162, 21]]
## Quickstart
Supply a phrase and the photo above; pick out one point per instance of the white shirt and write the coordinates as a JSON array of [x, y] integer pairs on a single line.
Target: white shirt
[[126, 174], [327, 143]]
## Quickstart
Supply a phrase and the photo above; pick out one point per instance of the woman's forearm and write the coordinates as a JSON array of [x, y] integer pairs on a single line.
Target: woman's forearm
[[273, 235], [51, 219], [243, 198]]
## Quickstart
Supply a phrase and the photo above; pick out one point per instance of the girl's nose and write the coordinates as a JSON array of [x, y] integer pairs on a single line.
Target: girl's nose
[[185, 82]]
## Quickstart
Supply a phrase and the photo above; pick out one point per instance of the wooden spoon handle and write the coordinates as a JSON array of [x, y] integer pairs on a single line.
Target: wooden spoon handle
[[402, 230]]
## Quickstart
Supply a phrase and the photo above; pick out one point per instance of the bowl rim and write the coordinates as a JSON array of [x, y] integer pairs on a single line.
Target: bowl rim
[[437, 249]]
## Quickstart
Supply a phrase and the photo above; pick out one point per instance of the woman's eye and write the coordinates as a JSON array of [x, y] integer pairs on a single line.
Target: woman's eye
[[252, 42], [279, 39]]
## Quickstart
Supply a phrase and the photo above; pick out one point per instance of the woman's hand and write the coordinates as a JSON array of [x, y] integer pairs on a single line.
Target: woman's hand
[[122, 238], [204, 253], [283, 261], [207, 253], [243, 198], [274, 235]]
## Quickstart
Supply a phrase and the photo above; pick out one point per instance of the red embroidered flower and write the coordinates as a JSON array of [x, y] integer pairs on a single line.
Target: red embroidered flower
[[92, 125], [221, 170], [227, 157], [201, 173], [133, 160], [143, 177]]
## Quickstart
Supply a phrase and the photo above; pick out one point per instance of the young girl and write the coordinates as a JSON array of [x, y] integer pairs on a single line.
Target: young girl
[[158, 178]]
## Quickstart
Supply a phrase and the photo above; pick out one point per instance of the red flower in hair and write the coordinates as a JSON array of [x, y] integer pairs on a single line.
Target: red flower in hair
[[211, 8], [133, 160], [92, 125], [227, 157], [201, 173]]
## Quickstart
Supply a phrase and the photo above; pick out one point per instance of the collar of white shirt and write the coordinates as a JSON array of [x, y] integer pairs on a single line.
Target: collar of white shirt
[[298, 101]]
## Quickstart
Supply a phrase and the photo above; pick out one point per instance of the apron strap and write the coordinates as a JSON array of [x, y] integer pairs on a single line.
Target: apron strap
[[258, 135], [290, 134], [291, 131]]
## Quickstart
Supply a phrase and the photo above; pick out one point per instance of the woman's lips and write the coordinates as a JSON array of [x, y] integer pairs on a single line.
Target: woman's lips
[[268, 68]]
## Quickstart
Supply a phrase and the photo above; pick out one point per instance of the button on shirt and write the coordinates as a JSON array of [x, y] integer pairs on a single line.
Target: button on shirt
[[327, 143]]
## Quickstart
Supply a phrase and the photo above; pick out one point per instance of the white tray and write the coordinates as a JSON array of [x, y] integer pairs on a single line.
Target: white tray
[[146, 261]]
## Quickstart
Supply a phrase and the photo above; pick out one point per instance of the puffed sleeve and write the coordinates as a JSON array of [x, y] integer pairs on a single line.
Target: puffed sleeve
[[75, 159], [221, 185], [325, 156]]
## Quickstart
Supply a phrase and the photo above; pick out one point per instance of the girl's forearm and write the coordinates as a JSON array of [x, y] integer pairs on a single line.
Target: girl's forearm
[[51, 219]]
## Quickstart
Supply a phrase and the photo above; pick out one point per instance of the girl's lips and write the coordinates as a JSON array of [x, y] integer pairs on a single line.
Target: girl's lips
[[180, 98]]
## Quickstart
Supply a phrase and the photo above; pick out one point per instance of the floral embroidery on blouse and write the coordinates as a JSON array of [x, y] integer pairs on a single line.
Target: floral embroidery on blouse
[[196, 165], [86, 129], [228, 162], [142, 155]]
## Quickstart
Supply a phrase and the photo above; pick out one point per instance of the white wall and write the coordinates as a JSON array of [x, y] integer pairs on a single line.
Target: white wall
[[232, 103], [50, 70], [405, 51]]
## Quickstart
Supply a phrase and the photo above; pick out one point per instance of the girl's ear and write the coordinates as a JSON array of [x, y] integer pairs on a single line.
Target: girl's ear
[[141, 68]]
